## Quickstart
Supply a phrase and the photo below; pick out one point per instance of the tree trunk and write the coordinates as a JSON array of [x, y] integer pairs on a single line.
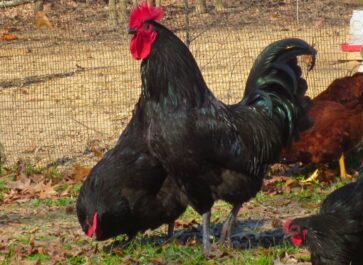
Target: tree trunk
[[156, 2], [11, 3], [219, 5], [38, 6], [122, 9], [187, 26], [112, 13], [200, 6]]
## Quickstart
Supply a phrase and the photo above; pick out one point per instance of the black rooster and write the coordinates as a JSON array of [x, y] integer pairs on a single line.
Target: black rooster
[[128, 191], [212, 150], [335, 235]]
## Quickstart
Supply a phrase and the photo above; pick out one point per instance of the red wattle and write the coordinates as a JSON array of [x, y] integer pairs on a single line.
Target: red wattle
[[141, 44], [92, 229], [90, 232], [296, 240]]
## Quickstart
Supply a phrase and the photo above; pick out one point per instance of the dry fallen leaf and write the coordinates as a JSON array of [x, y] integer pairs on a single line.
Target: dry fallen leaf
[[276, 223], [185, 223], [42, 21], [19, 185], [310, 205], [8, 37], [70, 209], [216, 252], [80, 173], [96, 152], [46, 191], [282, 202], [155, 260]]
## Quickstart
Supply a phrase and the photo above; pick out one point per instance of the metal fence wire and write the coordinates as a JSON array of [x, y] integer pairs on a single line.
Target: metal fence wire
[[67, 89]]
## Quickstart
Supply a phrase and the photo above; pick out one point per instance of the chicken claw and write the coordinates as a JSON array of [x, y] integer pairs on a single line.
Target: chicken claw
[[343, 172], [313, 177], [206, 233], [170, 230], [227, 226]]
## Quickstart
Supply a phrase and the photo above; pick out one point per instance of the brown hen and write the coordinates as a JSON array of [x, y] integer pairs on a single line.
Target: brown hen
[[337, 114]]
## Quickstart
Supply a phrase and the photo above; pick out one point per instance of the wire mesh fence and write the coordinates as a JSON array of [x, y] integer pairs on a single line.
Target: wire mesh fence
[[67, 89]]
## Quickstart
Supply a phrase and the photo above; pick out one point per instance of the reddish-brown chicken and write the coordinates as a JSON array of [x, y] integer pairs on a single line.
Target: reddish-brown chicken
[[347, 91], [337, 114]]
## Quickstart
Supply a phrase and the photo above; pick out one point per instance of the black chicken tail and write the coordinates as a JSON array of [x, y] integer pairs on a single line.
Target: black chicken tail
[[276, 85]]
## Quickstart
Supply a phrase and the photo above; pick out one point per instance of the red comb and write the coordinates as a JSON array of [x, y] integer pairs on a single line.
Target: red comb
[[92, 229], [144, 12], [286, 226]]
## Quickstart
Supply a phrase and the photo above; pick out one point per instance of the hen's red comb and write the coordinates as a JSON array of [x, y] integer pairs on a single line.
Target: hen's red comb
[[144, 12], [92, 229], [286, 225]]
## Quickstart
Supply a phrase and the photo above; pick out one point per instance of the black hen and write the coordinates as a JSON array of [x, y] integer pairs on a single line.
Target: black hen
[[335, 235], [128, 191], [212, 150]]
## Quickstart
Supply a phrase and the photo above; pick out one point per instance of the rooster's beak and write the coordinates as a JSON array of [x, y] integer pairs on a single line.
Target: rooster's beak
[[287, 237], [132, 31]]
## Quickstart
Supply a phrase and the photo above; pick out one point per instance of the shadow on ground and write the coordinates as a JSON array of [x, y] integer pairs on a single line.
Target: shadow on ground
[[245, 235]]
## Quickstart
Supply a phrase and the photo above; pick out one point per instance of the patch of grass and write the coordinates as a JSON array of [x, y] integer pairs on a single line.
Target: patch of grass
[[3, 189], [111, 260], [30, 169], [106, 259], [52, 173], [170, 253], [12, 178], [23, 239], [253, 260], [76, 260], [59, 202], [262, 197], [190, 214], [39, 257], [307, 196], [67, 247], [75, 190], [61, 188], [2, 170], [9, 256], [42, 238], [220, 210]]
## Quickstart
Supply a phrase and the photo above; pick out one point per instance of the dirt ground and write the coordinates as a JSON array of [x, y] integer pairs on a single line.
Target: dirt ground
[[69, 90], [47, 232]]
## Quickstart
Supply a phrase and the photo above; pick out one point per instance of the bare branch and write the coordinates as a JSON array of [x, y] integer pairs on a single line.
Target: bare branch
[[200, 6], [219, 5], [11, 3]]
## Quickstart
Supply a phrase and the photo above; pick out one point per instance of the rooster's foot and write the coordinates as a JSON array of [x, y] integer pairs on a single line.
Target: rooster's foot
[[225, 237], [313, 177]]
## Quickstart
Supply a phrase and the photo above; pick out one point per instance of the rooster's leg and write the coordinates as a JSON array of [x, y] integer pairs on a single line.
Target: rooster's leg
[[343, 172], [170, 230], [206, 233], [313, 177], [227, 226]]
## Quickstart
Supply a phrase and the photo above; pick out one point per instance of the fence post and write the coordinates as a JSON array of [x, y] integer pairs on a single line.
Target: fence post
[[112, 14], [156, 2], [187, 28], [219, 5], [200, 6], [38, 6], [122, 10]]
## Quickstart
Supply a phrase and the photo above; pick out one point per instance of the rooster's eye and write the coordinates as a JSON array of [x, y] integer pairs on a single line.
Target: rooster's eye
[[146, 26]]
